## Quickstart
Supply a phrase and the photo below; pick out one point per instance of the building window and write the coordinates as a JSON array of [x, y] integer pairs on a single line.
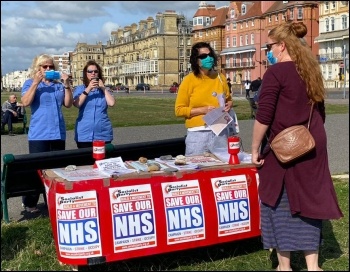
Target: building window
[[228, 42], [200, 34], [246, 39], [344, 22], [326, 5], [244, 9], [276, 17], [246, 23], [329, 71], [327, 24], [232, 13], [283, 16], [234, 26], [214, 45], [291, 14], [240, 40], [228, 27], [333, 4], [234, 41], [195, 21], [252, 38], [241, 25], [332, 24], [270, 18], [252, 23], [200, 21], [300, 13]]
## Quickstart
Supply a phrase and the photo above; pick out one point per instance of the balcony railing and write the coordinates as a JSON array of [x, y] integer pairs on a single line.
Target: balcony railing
[[243, 64], [330, 57]]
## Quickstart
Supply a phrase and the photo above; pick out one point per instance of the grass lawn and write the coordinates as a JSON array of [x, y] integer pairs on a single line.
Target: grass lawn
[[144, 111]]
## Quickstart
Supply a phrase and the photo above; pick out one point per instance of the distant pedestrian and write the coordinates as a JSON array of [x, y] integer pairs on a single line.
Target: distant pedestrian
[[229, 86], [247, 88]]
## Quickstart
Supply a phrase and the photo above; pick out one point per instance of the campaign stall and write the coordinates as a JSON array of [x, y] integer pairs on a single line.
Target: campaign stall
[[98, 218]]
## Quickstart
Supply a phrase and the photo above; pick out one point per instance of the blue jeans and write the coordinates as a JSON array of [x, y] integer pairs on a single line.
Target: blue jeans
[[31, 201]]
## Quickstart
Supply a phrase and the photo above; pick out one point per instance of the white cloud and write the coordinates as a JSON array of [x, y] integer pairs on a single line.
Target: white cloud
[[29, 28]]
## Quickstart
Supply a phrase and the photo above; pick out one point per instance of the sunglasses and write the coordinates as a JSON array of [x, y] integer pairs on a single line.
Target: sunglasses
[[48, 66], [92, 71], [269, 45], [204, 56]]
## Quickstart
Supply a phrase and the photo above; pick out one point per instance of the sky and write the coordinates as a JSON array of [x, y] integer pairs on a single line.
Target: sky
[[31, 28]]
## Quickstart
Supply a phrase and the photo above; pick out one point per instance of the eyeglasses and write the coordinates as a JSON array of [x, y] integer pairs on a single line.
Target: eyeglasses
[[48, 66], [269, 45], [204, 56], [92, 71]]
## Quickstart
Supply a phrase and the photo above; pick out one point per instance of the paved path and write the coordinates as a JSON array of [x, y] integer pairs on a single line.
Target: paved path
[[337, 127]]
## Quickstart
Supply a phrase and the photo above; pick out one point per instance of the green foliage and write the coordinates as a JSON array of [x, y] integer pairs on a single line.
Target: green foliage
[[29, 245]]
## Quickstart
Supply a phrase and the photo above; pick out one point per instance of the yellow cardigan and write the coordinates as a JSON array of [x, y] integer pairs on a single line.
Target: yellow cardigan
[[195, 92]]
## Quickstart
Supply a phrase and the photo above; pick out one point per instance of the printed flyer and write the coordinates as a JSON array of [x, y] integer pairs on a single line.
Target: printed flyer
[[184, 211], [78, 229], [232, 202], [134, 225]]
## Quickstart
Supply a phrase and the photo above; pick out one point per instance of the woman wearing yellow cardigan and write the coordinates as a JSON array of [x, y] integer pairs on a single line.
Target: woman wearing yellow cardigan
[[198, 94]]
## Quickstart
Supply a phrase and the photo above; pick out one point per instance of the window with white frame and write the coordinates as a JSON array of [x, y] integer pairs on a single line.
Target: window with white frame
[[327, 25], [200, 34], [291, 14], [276, 17], [300, 13], [344, 22], [246, 39], [244, 9], [240, 40], [200, 21], [234, 26], [270, 18], [214, 45], [207, 19], [246, 23], [283, 16], [329, 68], [241, 25], [323, 69], [326, 5], [252, 38], [232, 13], [332, 24], [252, 23], [333, 5], [234, 41], [195, 21], [227, 42]]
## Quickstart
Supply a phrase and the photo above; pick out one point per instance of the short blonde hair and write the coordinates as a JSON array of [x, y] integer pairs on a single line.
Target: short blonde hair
[[38, 61]]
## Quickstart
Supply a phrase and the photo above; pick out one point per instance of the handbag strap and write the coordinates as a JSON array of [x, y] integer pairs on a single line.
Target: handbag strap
[[311, 110]]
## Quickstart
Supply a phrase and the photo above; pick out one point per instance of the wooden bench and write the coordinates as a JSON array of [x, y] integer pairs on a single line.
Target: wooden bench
[[21, 118], [20, 176]]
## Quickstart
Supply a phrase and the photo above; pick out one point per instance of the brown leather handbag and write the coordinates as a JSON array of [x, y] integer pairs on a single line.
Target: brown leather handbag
[[293, 142]]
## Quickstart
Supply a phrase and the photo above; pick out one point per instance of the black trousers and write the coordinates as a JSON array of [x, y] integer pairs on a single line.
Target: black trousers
[[41, 146], [8, 118]]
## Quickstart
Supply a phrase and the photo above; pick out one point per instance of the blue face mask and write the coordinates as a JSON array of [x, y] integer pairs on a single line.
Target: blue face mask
[[207, 63], [272, 60]]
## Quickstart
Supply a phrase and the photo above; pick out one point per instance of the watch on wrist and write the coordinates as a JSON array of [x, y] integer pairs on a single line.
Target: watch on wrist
[[84, 92]]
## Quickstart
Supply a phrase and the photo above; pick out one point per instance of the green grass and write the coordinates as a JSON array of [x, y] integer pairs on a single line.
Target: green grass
[[147, 111], [28, 245]]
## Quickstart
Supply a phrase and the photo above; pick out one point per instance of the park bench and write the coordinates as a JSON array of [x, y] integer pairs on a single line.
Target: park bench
[[21, 118], [20, 176]]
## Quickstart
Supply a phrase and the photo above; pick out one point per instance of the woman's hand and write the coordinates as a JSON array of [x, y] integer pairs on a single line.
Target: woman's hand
[[255, 159], [93, 84], [38, 77], [65, 78], [228, 106]]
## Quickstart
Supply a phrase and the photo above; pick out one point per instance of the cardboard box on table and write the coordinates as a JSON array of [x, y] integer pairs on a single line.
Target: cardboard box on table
[[111, 219]]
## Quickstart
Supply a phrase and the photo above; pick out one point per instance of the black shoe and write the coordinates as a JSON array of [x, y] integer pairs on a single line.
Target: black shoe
[[11, 133]]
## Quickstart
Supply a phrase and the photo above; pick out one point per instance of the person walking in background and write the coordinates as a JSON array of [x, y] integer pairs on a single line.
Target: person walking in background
[[199, 93], [254, 86], [296, 197], [10, 110], [247, 88], [92, 99], [47, 129]]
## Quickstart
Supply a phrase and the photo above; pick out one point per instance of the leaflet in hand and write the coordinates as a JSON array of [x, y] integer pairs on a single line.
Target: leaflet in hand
[[217, 120]]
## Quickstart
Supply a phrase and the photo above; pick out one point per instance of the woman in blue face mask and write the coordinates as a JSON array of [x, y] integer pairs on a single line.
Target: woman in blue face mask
[[201, 91], [295, 198]]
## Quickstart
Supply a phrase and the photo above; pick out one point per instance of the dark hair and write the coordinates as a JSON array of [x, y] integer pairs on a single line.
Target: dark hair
[[86, 81], [195, 53]]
